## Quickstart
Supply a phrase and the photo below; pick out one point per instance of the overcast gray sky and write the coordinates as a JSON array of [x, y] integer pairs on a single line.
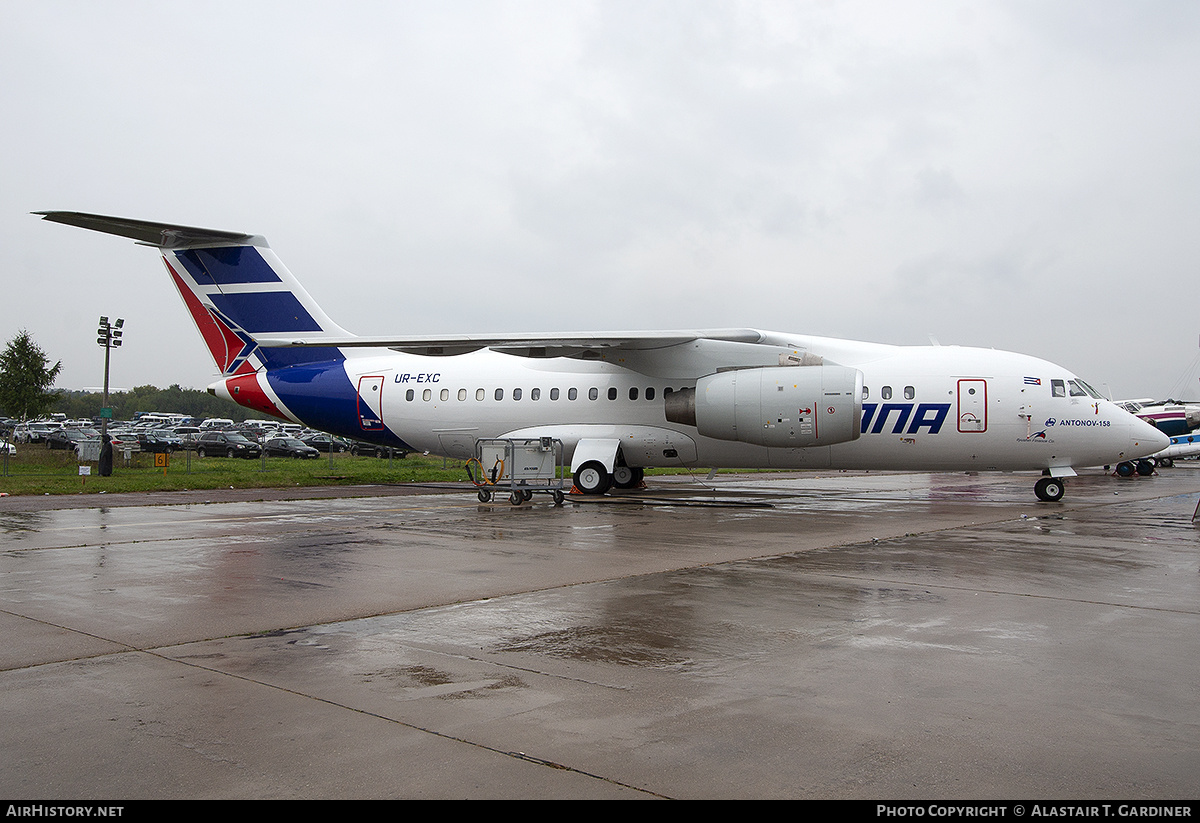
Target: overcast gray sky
[[1017, 175]]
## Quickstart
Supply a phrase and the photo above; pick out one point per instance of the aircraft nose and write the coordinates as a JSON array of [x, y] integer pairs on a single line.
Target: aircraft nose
[[1146, 439]]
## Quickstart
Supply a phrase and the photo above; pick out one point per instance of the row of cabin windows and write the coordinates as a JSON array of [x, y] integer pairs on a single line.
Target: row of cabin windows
[[886, 393], [535, 394]]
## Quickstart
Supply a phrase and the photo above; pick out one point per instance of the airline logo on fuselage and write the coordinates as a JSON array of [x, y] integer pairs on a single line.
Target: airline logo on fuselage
[[914, 416]]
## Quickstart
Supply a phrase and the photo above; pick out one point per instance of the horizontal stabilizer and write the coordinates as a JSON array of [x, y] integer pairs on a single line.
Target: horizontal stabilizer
[[161, 235]]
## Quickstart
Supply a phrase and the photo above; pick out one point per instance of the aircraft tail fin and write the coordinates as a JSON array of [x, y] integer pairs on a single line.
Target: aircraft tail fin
[[235, 288]]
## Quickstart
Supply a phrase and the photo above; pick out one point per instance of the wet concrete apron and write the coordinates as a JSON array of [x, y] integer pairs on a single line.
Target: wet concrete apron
[[831, 635]]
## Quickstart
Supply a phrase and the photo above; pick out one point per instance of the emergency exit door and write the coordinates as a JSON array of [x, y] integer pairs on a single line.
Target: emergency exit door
[[370, 403]]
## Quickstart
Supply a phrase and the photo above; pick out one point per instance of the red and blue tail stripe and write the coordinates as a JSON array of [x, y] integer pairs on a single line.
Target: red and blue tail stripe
[[237, 290]]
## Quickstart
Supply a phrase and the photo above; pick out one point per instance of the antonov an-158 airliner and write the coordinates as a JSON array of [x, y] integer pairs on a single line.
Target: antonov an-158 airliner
[[622, 402]]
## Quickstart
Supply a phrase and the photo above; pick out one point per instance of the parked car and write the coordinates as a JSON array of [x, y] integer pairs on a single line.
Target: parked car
[[322, 441], [229, 444], [289, 447], [70, 438], [124, 440], [34, 432], [158, 441], [358, 448]]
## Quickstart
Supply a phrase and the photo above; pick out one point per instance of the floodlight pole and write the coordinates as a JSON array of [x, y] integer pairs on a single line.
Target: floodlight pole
[[108, 336]]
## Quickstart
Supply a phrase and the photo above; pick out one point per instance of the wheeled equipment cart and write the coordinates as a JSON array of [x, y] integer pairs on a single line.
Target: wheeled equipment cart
[[520, 466]]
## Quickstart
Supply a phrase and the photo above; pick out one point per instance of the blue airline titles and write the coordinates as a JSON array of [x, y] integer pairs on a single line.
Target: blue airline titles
[[624, 401]]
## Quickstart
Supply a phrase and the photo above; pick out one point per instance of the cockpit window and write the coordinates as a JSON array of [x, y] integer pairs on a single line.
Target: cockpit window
[[1081, 389], [1058, 388]]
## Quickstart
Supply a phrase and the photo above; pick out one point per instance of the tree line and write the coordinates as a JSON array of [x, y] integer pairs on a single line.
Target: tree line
[[26, 378], [195, 403]]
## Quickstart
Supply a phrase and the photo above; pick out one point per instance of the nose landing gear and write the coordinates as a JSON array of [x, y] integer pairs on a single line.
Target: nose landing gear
[[1049, 489]]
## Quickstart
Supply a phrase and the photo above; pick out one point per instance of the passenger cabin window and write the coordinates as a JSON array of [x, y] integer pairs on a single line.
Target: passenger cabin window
[[1058, 388], [572, 394], [410, 394], [593, 394], [445, 394], [554, 394], [426, 395], [516, 394], [535, 394], [886, 392], [866, 392], [462, 394], [612, 393], [479, 394], [650, 393], [499, 394], [633, 393], [909, 392]]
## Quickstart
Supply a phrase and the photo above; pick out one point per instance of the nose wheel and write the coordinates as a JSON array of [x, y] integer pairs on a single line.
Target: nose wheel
[[1049, 489]]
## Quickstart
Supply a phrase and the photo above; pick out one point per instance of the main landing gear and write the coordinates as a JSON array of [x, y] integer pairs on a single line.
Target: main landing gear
[[1050, 489], [593, 478], [1143, 467]]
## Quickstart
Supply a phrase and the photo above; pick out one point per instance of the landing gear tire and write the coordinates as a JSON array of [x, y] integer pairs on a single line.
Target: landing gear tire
[[624, 477], [1166, 462], [592, 478], [1145, 468], [1049, 489], [1126, 469]]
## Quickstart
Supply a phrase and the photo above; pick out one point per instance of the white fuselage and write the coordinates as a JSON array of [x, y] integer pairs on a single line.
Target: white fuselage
[[923, 408]]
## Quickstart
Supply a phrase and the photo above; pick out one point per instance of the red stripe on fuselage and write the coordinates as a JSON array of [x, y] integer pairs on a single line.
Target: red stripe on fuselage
[[245, 391]]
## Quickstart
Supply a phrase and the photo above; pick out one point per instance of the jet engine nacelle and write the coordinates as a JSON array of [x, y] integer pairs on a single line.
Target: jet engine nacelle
[[784, 407]]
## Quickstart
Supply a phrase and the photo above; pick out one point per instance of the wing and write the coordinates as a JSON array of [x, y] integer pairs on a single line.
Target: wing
[[525, 344]]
